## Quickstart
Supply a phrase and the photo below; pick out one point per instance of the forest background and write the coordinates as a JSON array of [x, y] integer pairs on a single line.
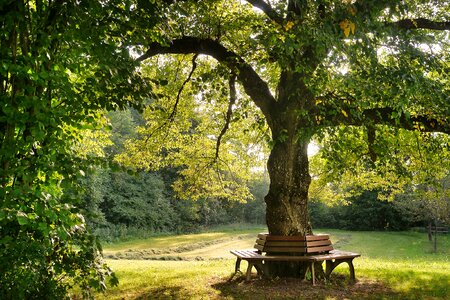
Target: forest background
[[120, 204]]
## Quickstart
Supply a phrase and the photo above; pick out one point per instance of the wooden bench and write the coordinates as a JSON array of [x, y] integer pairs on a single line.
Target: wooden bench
[[311, 249], [437, 229]]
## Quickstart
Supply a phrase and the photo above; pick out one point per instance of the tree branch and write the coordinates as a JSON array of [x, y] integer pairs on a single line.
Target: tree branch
[[267, 9], [232, 86], [414, 122], [171, 117], [177, 100], [294, 6], [371, 136], [253, 85], [421, 23], [384, 115], [364, 6]]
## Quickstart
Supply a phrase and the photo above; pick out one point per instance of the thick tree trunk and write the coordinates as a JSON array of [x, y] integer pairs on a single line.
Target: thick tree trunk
[[287, 212], [288, 166]]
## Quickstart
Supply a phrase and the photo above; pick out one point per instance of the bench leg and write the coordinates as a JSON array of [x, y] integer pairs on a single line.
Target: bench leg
[[248, 274], [259, 268], [331, 265], [328, 268], [313, 274], [352, 269], [236, 268], [238, 265]]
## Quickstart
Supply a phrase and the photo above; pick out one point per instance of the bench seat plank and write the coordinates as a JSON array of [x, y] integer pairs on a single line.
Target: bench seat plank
[[313, 237], [335, 254], [250, 254]]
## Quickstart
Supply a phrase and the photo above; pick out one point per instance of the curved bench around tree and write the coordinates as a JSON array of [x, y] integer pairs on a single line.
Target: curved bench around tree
[[311, 249]]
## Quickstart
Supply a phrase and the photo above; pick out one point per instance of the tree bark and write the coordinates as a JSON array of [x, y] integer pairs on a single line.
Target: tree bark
[[287, 200], [288, 167]]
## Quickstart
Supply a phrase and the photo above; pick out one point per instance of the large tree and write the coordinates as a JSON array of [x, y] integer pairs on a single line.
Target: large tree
[[314, 68], [61, 63], [348, 72]]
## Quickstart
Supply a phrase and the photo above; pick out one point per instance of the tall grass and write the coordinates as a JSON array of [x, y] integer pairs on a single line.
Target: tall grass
[[393, 265]]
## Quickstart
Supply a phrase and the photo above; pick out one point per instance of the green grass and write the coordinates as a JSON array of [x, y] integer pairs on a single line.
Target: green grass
[[393, 265]]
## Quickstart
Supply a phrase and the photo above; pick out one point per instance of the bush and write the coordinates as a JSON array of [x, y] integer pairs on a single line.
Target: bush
[[118, 205], [363, 212]]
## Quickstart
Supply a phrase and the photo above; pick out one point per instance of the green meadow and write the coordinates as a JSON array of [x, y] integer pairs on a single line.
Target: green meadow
[[393, 265]]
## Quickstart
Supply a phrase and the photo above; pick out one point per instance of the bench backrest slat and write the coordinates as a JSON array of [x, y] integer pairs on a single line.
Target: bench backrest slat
[[310, 244], [317, 237], [318, 243], [271, 249], [284, 243], [319, 249]]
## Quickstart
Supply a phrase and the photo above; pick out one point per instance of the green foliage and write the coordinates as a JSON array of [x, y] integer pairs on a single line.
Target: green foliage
[[405, 173], [123, 127], [255, 210], [182, 128], [138, 201], [397, 160], [349, 73], [363, 212], [120, 206], [60, 63], [427, 202]]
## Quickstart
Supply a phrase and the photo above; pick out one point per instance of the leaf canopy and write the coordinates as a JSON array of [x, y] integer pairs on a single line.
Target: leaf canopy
[[350, 73]]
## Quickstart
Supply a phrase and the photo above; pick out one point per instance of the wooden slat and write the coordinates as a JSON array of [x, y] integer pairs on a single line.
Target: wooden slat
[[285, 249], [335, 254], [247, 254], [317, 237], [319, 249], [262, 236], [284, 238], [285, 244], [267, 237], [318, 243], [259, 247], [288, 258], [260, 242]]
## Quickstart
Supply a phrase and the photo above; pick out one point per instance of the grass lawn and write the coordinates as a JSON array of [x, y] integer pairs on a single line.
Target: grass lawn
[[394, 265]]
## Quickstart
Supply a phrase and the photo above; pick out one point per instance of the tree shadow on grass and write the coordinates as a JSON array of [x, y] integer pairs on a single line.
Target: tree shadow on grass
[[338, 287], [162, 293]]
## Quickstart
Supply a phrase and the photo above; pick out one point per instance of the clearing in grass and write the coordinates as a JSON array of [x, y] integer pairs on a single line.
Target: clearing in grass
[[394, 265]]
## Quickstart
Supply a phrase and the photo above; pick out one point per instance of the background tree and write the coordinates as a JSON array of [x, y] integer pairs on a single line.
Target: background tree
[[118, 204], [313, 69], [61, 64]]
